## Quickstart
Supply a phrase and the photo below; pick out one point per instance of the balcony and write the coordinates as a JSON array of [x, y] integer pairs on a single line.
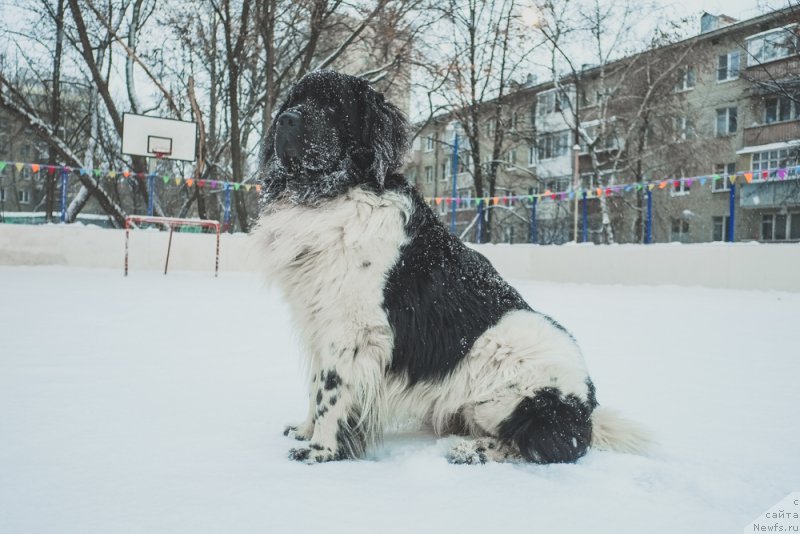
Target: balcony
[[772, 133], [774, 70]]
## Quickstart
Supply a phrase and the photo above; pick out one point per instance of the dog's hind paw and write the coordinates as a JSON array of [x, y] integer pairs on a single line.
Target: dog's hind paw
[[481, 451], [467, 453]]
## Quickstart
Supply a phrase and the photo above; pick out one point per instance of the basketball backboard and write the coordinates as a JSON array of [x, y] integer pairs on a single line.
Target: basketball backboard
[[155, 137]]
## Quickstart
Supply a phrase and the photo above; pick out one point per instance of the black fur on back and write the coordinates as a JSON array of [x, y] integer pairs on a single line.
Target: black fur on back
[[440, 297], [550, 427]]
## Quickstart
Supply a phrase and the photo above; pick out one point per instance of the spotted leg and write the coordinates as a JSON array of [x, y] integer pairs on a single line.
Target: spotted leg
[[347, 401]]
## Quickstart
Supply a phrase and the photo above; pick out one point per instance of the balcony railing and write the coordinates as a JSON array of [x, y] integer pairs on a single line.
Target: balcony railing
[[772, 133]]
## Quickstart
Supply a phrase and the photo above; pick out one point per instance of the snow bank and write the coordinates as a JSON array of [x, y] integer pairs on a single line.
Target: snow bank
[[722, 265]]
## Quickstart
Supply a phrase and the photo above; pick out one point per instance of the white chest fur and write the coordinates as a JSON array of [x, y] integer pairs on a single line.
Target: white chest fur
[[332, 261]]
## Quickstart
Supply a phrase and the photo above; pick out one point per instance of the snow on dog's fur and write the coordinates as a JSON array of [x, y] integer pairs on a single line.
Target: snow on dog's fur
[[398, 318]]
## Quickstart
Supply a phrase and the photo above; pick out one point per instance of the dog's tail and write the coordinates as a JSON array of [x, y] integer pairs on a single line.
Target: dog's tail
[[612, 432]]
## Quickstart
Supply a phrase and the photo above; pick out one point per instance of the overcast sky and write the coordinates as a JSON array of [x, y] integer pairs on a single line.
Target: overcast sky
[[739, 9]]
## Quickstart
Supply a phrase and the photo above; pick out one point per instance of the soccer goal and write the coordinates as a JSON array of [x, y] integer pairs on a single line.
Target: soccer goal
[[132, 221]]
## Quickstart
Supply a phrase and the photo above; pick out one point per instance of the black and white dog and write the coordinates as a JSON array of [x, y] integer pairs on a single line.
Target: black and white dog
[[397, 316]]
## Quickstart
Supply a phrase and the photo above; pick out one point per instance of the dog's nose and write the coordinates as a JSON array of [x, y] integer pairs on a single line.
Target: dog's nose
[[289, 135]]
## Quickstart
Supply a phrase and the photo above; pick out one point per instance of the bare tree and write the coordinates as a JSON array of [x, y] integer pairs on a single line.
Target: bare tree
[[630, 103]]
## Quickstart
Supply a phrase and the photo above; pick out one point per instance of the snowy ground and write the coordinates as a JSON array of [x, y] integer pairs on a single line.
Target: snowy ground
[[156, 404]]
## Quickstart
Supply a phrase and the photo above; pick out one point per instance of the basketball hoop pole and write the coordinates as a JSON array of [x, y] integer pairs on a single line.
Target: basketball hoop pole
[[151, 181]]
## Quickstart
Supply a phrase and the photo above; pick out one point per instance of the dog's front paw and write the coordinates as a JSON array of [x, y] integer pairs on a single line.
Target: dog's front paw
[[297, 432], [314, 454]]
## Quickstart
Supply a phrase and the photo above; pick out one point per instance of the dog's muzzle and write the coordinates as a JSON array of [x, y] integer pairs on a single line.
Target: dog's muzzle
[[289, 137]]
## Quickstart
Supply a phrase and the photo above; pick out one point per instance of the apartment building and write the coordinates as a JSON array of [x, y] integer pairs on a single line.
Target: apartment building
[[692, 114]]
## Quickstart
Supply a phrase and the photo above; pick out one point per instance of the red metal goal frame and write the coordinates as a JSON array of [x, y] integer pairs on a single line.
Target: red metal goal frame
[[172, 222]]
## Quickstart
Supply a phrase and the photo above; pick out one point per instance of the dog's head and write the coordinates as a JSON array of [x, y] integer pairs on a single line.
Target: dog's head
[[332, 133]]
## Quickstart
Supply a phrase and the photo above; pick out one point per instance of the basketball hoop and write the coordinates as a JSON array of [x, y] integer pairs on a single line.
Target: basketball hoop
[[159, 138]]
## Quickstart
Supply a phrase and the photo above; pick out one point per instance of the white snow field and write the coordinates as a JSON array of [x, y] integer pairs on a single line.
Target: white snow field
[[156, 404]]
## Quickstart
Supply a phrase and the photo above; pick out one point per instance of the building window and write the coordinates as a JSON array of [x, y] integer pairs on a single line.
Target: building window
[[429, 142], [2, 194], [726, 121], [553, 145], [680, 231], [531, 156], [684, 128], [609, 142], [719, 228], [511, 159], [550, 102], [680, 188], [774, 44], [687, 79], [514, 120], [445, 171], [781, 108], [725, 170], [728, 66], [773, 159], [24, 196], [465, 196], [780, 226], [428, 175]]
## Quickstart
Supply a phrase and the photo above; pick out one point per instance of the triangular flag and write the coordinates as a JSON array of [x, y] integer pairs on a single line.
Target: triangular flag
[[166, 179], [19, 166], [599, 192], [112, 174], [189, 182], [663, 184], [35, 167], [748, 176], [438, 200], [177, 180], [258, 188], [782, 174], [213, 184], [126, 173], [703, 180], [84, 172], [495, 200], [247, 187], [51, 169], [689, 183], [201, 183], [2, 165], [651, 186], [236, 186], [97, 173], [733, 177]]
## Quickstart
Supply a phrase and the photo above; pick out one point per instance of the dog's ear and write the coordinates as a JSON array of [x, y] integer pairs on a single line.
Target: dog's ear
[[363, 154], [384, 135]]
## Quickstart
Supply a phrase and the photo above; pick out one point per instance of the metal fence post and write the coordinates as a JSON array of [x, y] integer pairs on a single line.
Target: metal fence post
[[649, 233], [585, 220], [64, 183], [732, 213]]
